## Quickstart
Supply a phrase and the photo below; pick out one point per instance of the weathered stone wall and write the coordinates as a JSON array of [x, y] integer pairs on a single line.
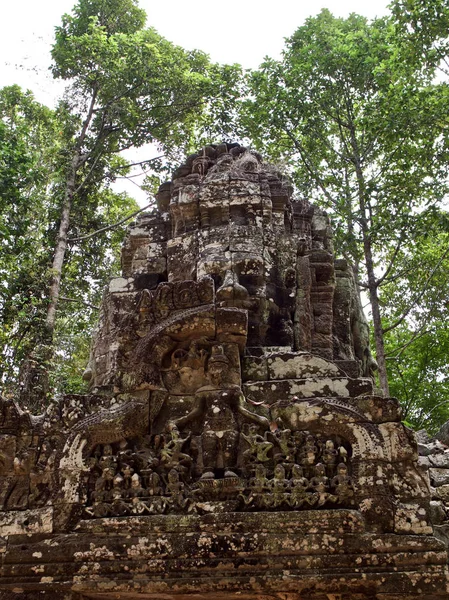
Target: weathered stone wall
[[434, 460], [233, 443]]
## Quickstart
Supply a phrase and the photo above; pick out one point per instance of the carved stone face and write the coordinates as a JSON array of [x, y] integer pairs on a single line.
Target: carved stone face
[[173, 476], [320, 469], [107, 450], [217, 372], [118, 481], [297, 471], [342, 469], [260, 471], [279, 472], [189, 379]]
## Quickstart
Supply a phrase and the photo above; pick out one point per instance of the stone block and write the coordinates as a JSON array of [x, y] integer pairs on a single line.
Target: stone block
[[400, 440], [438, 476], [442, 492], [412, 518], [232, 325], [254, 368], [443, 434], [379, 409], [350, 368], [299, 366], [38, 520], [437, 512], [121, 284], [440, 460], [316, 387]]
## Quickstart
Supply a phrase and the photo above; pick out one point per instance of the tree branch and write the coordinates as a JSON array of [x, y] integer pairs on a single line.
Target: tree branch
[[78, 300], [420, 295], [308, 166], [86, 178], [416, 335], [422, 420], [392, 261], [108, 227], [137, 164]]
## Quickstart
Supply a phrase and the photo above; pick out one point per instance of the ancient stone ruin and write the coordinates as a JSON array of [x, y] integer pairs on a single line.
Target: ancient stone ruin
[[232, 445]]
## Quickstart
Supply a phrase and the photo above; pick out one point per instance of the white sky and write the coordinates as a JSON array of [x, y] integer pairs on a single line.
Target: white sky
[[229, 31]]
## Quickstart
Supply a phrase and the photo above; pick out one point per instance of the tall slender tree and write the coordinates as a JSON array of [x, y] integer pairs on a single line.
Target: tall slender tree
[[30, 181], [28, 147], [127, 86], [358, 129]]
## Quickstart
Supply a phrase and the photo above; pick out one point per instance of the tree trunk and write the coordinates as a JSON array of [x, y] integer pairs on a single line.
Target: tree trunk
[[35, 371], [60, 248], [377, 322], [35, 381], [369, 262], [61, 243]]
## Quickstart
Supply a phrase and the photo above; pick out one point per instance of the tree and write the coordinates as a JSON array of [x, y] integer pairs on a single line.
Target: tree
[[421, 27], [127, 86], [418, 348], [30, 147], [360, 132]]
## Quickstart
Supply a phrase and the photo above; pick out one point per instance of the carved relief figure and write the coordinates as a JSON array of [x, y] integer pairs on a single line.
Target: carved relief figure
[[219, 406]]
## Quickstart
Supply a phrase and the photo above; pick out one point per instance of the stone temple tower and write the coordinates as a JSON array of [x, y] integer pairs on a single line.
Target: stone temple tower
[[232, 444]]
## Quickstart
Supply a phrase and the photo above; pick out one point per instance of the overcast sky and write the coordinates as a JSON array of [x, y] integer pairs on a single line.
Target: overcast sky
[[230, 31], [242, 31]]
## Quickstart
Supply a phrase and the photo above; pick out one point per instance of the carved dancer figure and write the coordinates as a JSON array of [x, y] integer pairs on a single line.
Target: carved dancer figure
[[278, 488], [171, 453], [220, 407], [103, 486], [175, 490], [127, 472], [329, 457], [320, 486], [119, 507], [136, 490], [17, 496], [342, 485], [299, 486], [308, 455], [286, 446], [41, 477], [258, 486], [258, 446]]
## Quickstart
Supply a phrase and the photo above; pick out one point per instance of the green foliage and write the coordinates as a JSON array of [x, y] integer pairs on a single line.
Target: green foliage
[[418, 375], [422, 28], [220, 116], [115, 16], [363, 131], [28, 145], [339, 99], [146, 89], [30, 179], [418, 348]]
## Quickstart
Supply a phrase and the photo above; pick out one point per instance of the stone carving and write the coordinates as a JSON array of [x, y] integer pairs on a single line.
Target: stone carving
[[172, 473], [232, 425]]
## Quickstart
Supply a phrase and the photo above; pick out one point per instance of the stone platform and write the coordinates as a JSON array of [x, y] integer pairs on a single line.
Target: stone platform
[[250, 555]]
